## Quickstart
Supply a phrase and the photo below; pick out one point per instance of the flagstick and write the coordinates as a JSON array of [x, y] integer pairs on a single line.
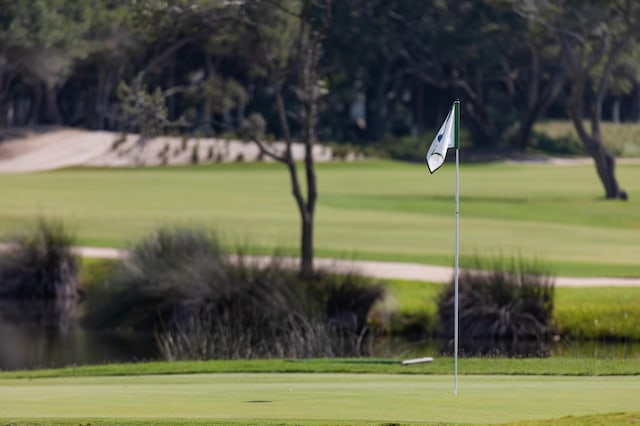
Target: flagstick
[[456, 126], [449, 137], [455, 321]]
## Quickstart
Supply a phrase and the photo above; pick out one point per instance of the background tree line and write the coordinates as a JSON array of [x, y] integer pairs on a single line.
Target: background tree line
[[381, 69]]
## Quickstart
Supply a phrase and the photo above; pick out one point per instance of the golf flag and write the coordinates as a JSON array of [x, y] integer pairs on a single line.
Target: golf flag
[[447, 137]]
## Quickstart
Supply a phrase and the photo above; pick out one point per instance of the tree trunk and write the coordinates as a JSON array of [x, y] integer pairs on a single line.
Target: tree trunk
[[306, 255], [615, 111], [605, 165], [483, 127], [604, 161], [377, 107], [538, 103], [33, 116], [309, 98], [53, 111]]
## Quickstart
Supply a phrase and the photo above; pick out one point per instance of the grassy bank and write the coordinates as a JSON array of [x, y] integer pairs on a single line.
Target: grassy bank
[[369, 210], [554, 366], [599, 313]]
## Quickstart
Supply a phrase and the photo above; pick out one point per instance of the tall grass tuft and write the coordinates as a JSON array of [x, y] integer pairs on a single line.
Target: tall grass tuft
[[506, 301], [39, 264], [167, 268], [203, 304]]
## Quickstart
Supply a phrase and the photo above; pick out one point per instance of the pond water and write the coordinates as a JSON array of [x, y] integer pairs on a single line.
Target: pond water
[[25, 347], [49, 336]]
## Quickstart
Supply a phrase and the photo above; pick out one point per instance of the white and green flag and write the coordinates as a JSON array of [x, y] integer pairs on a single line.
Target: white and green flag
[[447, 137]]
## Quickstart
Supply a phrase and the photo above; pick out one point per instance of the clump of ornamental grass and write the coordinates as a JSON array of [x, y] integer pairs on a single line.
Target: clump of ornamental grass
[[39, 264], [203, 304], [499, 301], [166, 269], [39, 277]]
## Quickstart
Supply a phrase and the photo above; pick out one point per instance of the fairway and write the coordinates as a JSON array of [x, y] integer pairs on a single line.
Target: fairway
[[346, 397], [373, 210]]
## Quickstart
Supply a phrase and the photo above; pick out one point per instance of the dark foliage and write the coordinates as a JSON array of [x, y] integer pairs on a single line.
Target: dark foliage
[[562, 145], [203, 304], [53, 315], [504, 301], [168, 268], [39, 265]]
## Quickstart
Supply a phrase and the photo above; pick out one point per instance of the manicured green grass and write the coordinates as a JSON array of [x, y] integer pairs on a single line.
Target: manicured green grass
[[318, 397], [558, 366], [369, 210], [339, 391], [615, 419]]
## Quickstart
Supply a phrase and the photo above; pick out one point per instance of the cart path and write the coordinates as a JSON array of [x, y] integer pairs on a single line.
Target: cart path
[[385, 270]]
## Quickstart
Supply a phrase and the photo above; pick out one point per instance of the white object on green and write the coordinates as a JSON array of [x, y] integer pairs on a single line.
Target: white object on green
[[417, 360], [447, 137]]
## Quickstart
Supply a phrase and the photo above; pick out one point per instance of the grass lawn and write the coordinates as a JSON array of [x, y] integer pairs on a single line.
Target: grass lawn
[[326, 391], [623, 139], [595, 313], [370, 210], [320, 397], [374, 210]]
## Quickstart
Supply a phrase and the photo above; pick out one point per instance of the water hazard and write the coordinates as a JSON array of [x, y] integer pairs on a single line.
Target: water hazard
[[49, 335]]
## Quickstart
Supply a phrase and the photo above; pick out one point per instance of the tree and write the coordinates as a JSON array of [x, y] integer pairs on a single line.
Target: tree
[[539, 82], [599, 41], [466, 49], [46, 39], [285, 46], [167, 28], [275, 45], [118, 43], [366, 68]]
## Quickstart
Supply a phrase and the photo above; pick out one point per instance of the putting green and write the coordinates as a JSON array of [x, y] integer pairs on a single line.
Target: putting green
[[317, 397]]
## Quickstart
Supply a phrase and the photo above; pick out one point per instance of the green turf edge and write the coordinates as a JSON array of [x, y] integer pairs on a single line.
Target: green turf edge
[[610, 419], [554, 366], [96, 421]]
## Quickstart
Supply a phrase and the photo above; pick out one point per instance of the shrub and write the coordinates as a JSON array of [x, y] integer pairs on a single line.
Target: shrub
[[144, 288], [271, 312], [39, 264], [410, 148], [506, 301], [201, 304], [565, 144], [258, 317]]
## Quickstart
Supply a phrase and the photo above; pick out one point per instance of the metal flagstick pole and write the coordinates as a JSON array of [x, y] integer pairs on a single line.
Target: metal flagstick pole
[[435, 158], [455, 321]]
